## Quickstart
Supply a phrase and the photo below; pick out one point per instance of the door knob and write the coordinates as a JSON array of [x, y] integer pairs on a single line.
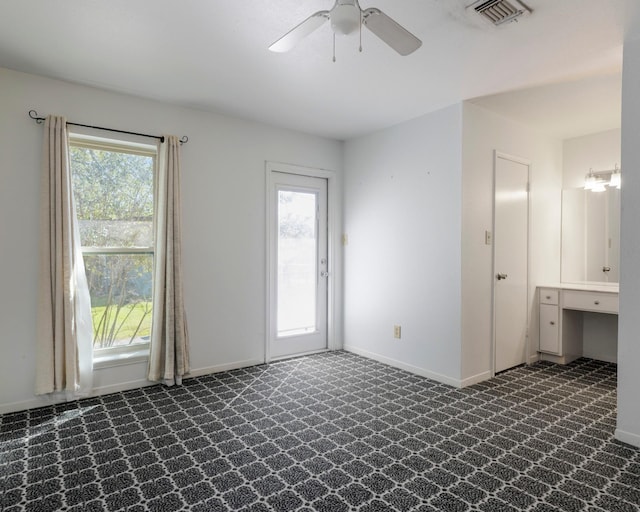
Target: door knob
[[500, 277]]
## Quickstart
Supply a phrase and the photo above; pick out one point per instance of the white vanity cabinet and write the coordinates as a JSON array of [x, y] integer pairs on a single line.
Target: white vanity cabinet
[[561, 308], [549, 321]]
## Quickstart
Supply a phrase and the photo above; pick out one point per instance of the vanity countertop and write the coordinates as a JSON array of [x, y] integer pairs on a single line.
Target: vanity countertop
[[587, 287]]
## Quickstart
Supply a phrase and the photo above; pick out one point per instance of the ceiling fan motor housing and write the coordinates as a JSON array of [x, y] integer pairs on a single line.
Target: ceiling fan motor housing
[[345, 17]]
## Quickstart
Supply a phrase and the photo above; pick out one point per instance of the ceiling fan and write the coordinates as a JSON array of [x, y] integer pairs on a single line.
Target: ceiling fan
[[346, 17]]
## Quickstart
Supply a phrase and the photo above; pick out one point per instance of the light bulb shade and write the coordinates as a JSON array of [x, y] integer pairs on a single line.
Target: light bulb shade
[[345, 19], [590, 182], [616, 180], [598, 187]]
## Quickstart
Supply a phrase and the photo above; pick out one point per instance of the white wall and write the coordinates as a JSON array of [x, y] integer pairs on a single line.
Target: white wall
[[418, 199], [483, 132], [402, 262], [628, 425], [223, 220]]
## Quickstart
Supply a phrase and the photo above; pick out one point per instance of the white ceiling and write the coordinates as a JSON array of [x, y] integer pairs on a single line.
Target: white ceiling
[[213, 55]]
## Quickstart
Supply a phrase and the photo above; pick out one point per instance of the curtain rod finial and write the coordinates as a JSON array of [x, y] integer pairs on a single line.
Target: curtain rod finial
[[34, 115], [184, 140]]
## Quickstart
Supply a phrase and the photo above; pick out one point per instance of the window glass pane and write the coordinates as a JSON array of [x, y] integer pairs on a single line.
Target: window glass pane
[[113, 192], [120, 289], [297, 252]]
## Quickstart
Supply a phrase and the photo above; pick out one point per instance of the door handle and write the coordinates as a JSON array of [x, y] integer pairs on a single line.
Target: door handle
[[500, 277], [324, 273]]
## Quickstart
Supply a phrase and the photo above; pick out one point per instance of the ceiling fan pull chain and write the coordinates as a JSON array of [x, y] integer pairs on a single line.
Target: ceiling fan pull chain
[[334, 47], [360, 31]]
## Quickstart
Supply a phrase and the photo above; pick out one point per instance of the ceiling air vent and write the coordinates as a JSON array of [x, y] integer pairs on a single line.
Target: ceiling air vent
[[498, 12]]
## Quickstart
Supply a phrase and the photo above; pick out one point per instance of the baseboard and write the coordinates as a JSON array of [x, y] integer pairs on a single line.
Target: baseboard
[[121, 386], [607, 358], [33, 403], [474, 379], [557, 359], [45, 400], [404, 366], [534, 358], [627, 437], [199, 372], [296, 356]]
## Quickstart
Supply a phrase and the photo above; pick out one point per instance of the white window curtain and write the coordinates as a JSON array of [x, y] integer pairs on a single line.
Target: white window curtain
[[169, 353], [64, 328]]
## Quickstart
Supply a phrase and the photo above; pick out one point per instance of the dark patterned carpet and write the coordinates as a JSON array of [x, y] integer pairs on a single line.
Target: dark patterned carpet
[[332, 432]]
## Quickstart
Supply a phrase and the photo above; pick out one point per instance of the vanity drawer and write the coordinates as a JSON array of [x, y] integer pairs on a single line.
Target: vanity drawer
[[548, 296], [591, 301]]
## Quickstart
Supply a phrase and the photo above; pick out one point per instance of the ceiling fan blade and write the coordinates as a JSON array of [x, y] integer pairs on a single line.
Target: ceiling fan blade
[[297, 34], [392, 33]]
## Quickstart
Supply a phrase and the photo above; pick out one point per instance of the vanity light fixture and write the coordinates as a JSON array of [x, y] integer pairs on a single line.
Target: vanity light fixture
[[597, 181]]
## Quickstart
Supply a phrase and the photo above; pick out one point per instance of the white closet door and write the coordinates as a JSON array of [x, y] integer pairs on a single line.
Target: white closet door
[[511, 248]]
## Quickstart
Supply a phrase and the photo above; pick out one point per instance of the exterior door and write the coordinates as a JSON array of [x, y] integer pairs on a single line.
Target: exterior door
[[299, 264], [511, 261]]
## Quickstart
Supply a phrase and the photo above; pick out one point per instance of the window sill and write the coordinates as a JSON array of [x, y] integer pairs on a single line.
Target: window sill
[[107, 360]]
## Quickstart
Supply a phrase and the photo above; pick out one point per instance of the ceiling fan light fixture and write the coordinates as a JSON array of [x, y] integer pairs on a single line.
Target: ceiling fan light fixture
[[345, 19]]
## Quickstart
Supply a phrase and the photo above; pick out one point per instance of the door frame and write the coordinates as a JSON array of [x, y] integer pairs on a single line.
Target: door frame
[[332, 260], [506, 156]]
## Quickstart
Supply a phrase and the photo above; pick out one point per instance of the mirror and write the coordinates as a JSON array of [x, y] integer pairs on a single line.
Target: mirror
[[590, 236]]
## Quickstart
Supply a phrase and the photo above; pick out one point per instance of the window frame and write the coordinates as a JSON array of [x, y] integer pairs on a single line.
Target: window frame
[[139, 352]]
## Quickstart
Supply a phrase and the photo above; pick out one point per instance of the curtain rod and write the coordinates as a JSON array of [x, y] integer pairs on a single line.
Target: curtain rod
[[34, 115]]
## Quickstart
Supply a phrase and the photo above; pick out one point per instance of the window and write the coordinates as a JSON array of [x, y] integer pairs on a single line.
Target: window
[[113, 184]]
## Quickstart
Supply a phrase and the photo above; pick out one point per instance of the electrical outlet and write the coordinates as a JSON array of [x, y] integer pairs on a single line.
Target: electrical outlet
[[397, 331]]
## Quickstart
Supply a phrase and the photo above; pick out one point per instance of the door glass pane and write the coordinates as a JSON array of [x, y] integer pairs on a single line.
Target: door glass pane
[[297, 262]]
